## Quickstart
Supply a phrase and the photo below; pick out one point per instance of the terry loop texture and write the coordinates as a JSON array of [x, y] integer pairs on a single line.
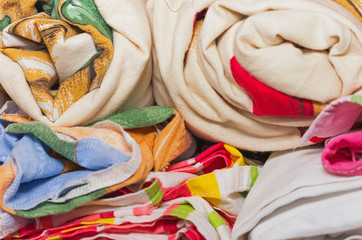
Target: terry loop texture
[[108, 81], [253, 74]]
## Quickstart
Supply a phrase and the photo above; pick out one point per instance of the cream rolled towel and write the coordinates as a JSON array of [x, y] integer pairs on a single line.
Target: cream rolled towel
[[253, 74], [78, 61]]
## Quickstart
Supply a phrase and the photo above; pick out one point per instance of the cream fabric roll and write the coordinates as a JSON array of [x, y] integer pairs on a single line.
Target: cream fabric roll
[[253, 74]]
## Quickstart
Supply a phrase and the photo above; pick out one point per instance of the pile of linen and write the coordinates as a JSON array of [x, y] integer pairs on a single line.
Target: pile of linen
[[180, 119], [105, 179]]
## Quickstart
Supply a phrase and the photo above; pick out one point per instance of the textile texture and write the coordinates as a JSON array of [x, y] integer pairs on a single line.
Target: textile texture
[[81, 62], [249, 75]]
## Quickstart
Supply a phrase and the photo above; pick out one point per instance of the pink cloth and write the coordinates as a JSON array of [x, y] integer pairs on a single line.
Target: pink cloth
[[342, 154], [215, 157]]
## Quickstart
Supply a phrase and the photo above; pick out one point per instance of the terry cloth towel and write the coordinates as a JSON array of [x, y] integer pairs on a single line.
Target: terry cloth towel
[[253, 73], [192, 218], [141, 202], [44, 166], [170, 185], [305, 203], [95, 160], [97, 60]]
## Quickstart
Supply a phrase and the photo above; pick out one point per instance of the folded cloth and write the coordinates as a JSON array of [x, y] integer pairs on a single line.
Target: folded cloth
[[244, 72], [81, 62], [222, 188], [9, 224], [144, 204], [141, 203], [342, 154], [139, 199], [338, 117], [78, 164], [217, 156], [144, 196], [305, 203], [193, 218], [34, 173]]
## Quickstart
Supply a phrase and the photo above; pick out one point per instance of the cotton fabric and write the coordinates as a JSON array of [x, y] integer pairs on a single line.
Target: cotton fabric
[[121, 88], [215, 48], [306, 202]]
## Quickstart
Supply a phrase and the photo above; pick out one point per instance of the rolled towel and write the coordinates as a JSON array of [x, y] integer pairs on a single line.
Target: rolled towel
[[78, 61], [253, 74]]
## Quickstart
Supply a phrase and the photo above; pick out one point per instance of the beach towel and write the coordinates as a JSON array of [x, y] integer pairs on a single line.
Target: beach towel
[[81, 61], [254, 74]]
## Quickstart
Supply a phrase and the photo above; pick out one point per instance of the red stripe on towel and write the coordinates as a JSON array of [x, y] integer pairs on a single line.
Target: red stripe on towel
[[268, 101]]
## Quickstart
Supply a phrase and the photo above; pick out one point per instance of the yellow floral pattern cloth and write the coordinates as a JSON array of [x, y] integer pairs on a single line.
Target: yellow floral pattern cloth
[[64, 55]]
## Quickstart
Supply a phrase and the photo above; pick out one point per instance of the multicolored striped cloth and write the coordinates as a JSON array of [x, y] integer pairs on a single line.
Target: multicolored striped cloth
[[157, 206], [75, 165]]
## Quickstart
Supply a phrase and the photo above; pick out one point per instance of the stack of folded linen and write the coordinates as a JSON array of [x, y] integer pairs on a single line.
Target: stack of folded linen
[[216, 146], [105, 180]]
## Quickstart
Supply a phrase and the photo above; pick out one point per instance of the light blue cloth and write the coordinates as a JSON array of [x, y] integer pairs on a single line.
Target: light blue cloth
[[39, 176], [7, 142]]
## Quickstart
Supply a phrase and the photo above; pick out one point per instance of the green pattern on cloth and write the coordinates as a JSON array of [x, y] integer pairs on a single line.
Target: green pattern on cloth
[[136, 118], [45, 134], [154, 192], [48, 7], [51, 208], [216, 220], [4, 22], [81, 12], [79, 46], [254, 173], [14, 10], [356, 99], [182, 211]]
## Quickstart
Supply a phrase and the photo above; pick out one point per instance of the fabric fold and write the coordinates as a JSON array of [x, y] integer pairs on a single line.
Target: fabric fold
[[295, 198], [254, 74], [75, 165], [66, 71]]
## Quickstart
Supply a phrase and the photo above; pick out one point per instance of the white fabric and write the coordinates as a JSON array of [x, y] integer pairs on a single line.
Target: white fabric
[[294, 197], [10, 224], [192, 73], [126, 83]]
